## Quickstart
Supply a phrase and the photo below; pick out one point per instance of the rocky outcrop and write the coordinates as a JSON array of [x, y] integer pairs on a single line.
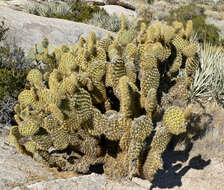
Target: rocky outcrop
[[16, 169], [111, 9], [88, 182], [26, 29]]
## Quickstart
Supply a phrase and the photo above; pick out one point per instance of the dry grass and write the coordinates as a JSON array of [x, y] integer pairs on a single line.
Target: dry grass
[[206, 132], [211, 144]]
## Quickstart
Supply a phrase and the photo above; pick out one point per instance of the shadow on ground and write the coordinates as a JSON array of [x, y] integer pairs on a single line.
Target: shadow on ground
[[174, 169], [172, 174]]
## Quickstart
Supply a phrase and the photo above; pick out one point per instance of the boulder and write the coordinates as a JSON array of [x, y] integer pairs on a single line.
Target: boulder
[[26, 29], [111, 9]]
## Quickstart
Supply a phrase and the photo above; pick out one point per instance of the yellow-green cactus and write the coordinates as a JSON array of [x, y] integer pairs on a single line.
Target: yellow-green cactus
[[45, 57], [116, 167], [43, 140], [14, 135], [50, 123], [31, 147], [152, 164], [178, 26], [131, 72], [190, 50], [174, 123], [174, 120], [142, 35], [140, 129], [192, 64], [167, 33], [71, 84], [150, 34], [105, 43], [117, 125], [67, 64], [132, 51], [175, 67], [90, 147], [101, 100], [115, 50], [35, 77], [29, 128], [117, 71], [60, 139], [180, 43], [26, 98], [151, 102], [189, 29], [126, 97], [125, 37], [150, 76]]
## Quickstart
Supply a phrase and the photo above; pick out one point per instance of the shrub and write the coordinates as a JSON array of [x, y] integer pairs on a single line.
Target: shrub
[[111, 23], [185, 13], [206, 32], [80, 12], [74, 11], [145, 12], [48, 10], [150, 1], [108, 22], [6, 110], [13, 70]]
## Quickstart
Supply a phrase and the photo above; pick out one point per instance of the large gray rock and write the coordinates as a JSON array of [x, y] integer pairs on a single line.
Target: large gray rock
[[17, 169], [26, 29]]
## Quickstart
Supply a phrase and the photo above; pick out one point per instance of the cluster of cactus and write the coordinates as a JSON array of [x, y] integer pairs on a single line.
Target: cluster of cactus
[[99, 102]]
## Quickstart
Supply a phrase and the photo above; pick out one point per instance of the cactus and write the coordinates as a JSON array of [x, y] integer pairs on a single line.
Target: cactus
[[174, 123], [100, 101]]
